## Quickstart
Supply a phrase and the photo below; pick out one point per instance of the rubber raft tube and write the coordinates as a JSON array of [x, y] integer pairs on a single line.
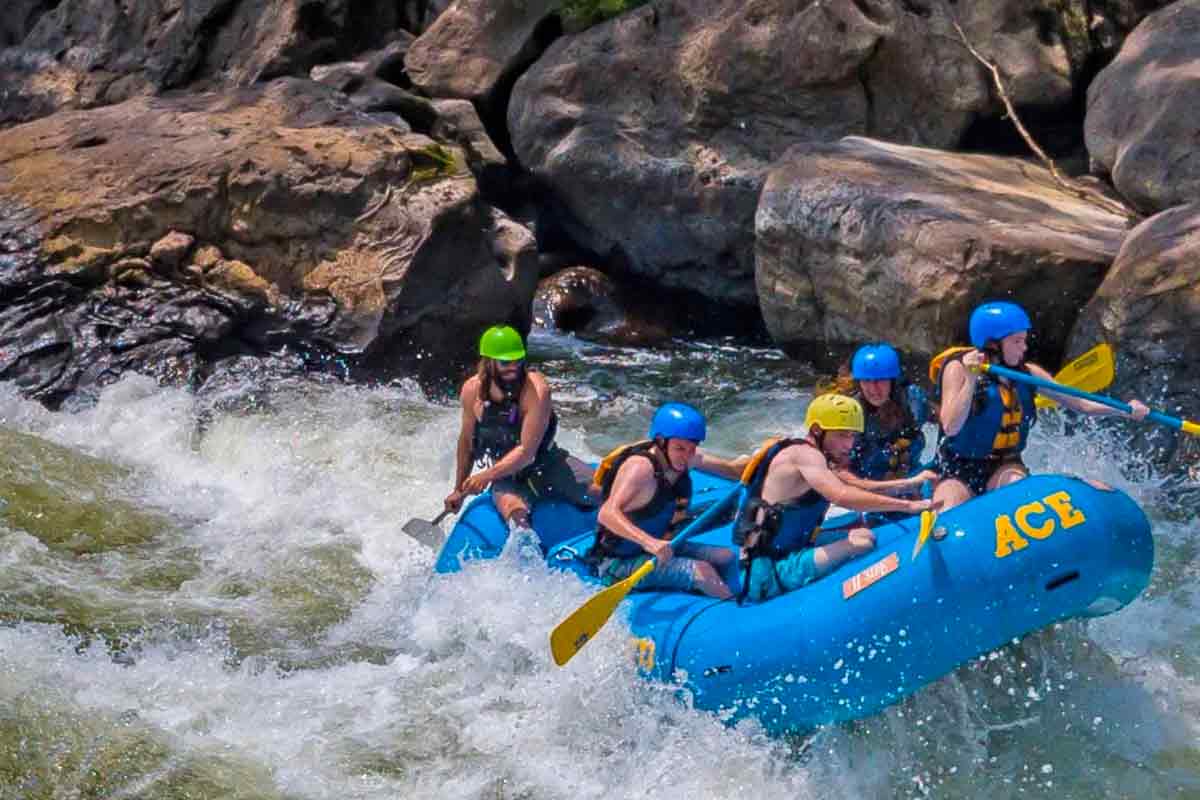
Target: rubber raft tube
[[1042, 550]]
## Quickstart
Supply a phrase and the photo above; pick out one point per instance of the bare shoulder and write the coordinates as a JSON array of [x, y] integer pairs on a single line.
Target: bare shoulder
[[537, 381], [636, 470], [470, 390], [808, 457]]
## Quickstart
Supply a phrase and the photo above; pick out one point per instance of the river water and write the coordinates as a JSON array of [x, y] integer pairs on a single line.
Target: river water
[[210, 597]]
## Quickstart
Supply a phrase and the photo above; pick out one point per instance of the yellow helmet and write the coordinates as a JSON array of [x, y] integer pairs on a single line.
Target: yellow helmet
[[835, 412]]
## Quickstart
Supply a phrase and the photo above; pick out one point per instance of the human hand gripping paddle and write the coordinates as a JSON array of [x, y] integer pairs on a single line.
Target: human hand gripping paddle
[[570, 635], [426, 532], [1187, 426]]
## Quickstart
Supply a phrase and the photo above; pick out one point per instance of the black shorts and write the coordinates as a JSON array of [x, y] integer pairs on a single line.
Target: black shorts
[[973, 472], [554, 476]]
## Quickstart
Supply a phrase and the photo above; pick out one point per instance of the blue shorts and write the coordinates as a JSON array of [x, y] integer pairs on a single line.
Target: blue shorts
[[678, 575], [770, 578]]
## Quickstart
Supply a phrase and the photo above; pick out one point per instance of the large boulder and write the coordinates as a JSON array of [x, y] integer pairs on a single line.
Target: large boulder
[[88, 53], [1148, 307], [585, 301], [1144, 111], [863, 240], [162, 234], [654, 131], [475, 45]]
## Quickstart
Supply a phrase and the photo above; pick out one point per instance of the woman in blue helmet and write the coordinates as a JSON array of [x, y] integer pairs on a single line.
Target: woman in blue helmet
[[985, 420], [646, 490], [886, 456]]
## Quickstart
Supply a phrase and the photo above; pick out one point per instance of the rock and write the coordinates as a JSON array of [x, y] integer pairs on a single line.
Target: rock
[[654, 131], [344, 76], [475, 44], [169, 252], [1144, 111], [1148, 308], [241, 222], [458, 122], [587, 302], [88, 53], [863, 240]]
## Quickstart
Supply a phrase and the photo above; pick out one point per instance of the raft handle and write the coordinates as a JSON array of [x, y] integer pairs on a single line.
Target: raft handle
[[1061, 580]]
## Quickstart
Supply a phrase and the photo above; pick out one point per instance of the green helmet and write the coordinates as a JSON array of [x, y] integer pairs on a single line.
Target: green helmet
[[502, 343]]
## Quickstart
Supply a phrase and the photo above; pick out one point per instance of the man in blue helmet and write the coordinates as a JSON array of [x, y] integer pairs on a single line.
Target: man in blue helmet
[[985, 420], [646, 490], [886, 456]]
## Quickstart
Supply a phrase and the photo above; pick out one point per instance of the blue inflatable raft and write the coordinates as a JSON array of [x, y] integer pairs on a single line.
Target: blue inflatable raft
[[1045, 549]]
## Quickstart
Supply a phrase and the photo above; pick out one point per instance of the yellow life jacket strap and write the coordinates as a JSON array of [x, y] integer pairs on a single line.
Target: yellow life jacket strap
[[938, 362], [757, 459], [611, 462]]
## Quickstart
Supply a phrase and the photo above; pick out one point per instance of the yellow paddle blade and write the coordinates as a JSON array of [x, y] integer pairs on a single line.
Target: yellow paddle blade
[[569, 637], [1092, 372], [927, 520], [1191, 427]]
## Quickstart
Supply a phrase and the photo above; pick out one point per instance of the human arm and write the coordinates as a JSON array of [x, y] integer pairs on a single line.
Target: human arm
[[816, 473], [466, 433], [731, 468], [633, 488], [1140, 409], [535, 407], [895, 485], [958, 390]]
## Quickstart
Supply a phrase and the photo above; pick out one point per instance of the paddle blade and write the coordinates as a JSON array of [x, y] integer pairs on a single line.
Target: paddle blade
[[570, 635], [1092, 372], [424, 532], [927, 520], [1191, 427]]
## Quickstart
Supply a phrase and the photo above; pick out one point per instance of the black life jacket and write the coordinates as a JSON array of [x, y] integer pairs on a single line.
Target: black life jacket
[[498, 431], [655, 517], [785, 528]]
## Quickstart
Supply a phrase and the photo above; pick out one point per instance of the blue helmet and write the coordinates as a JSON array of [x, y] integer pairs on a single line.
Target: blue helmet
[[997, 320], [875, 362], [678, 421]]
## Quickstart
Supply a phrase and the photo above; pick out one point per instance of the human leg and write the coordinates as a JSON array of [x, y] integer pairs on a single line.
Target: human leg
[[950, 492], [1009, 471], [513, 501], [563, 476]]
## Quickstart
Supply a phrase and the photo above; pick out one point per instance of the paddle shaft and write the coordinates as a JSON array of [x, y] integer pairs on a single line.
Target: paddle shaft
[[1034, 380]]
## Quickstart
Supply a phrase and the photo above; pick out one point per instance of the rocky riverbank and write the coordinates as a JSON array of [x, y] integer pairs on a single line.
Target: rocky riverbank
[[189, 188]]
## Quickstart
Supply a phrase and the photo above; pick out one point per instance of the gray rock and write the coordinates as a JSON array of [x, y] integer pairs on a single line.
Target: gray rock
[[1144, 111], [1148, 308], [863, 240]]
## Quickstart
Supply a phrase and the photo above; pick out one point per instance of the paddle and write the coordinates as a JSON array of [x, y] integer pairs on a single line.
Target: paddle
[[1092, 372], [1187, 426], [569, 637], [927, 519], [426, 532]]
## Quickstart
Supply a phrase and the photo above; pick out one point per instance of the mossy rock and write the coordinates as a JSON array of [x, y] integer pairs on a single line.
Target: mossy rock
[[579, 15]]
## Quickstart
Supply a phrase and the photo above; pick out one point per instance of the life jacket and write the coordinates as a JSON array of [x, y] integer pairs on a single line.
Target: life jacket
[[784, 528], [498, 431], [881, 455], [1000, 418], [655, 517]]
